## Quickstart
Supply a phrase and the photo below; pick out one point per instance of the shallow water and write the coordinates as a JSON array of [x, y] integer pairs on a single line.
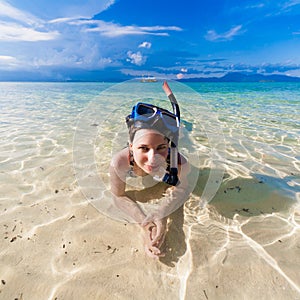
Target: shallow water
[[243, 218]]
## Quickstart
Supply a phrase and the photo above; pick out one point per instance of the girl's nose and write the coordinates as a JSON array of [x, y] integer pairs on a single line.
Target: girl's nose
[[151, 155]]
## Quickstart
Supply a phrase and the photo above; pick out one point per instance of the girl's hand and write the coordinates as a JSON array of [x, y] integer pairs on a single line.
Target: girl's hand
[[159, 232], [155, 235], [152, 249]]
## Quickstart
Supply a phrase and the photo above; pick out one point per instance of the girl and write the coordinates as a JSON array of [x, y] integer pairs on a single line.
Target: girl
[[151, 154]]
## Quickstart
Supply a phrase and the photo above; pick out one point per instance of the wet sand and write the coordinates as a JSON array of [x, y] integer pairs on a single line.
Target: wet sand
[[56, 245]]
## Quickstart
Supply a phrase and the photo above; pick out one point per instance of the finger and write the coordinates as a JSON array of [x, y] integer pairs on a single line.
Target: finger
[[156, 251], [147, 220], [158, 233], [153, 233], [145, 223], [161, 240], [153, 252]]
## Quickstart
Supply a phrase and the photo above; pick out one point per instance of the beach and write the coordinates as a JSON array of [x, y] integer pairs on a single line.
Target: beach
[[237, 236]]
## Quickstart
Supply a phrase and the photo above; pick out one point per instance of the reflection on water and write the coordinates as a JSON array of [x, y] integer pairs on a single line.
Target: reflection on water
[[247, 235]]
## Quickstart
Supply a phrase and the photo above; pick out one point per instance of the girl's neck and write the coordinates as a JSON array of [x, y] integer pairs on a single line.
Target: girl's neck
[[138, 171]]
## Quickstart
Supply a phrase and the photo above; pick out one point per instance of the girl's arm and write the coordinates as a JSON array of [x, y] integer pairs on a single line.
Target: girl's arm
[[175, 196], [118, 170]]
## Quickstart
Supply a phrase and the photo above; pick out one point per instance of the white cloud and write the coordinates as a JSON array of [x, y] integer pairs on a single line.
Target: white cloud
[[48, 10], [136, 58], [83, 55], [145, 45], [64, 20], [254, 6], [18, 25], [8, 11], [63, 34], [6, 58], [86, 8], [212, 35], [7, 61], [110, 29], [291, 3], [295, 73], [15, 32]]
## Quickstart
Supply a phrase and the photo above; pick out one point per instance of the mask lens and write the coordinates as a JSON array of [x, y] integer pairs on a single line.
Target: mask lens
[[150, 113], [145, 110]]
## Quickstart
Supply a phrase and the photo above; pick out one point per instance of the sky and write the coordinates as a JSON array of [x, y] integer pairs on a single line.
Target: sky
[[121, 39]]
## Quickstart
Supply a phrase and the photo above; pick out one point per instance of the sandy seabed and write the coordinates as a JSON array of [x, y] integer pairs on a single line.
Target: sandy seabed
[[56, 245], [245, 244]]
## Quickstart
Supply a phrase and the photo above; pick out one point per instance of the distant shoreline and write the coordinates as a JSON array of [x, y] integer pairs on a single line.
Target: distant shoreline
[[229, 77], [240, 77]]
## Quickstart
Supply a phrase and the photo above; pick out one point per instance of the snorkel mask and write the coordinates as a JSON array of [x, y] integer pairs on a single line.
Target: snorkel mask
[[146, 115]]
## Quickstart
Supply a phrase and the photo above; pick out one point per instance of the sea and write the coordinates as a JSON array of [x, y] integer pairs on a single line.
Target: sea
[[241, 139]]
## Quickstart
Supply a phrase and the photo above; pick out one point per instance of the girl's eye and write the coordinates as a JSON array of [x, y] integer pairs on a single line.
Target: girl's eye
[[162, 147], [144, 148], [159, 148]]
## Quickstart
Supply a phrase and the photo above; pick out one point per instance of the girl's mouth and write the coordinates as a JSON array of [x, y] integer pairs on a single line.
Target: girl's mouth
[[152, 168]]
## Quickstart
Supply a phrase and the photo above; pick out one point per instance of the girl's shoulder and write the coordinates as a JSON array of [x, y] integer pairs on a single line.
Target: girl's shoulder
[[121, 159]]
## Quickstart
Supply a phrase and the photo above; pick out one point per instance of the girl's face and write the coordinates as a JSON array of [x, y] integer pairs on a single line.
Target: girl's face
[[150, 150]]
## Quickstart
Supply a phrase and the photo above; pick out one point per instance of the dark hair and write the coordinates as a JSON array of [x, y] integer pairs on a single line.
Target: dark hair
[[132, 131], [135, 126]]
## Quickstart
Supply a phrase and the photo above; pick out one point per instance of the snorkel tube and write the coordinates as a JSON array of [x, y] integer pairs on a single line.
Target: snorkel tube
[[172, 177]]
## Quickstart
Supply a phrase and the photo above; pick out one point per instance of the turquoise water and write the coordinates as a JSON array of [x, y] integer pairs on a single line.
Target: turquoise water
[[258, 123], [241, 224]]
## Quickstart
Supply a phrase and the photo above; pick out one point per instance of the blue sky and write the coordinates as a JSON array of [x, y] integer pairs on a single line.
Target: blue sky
[[109, 39]]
